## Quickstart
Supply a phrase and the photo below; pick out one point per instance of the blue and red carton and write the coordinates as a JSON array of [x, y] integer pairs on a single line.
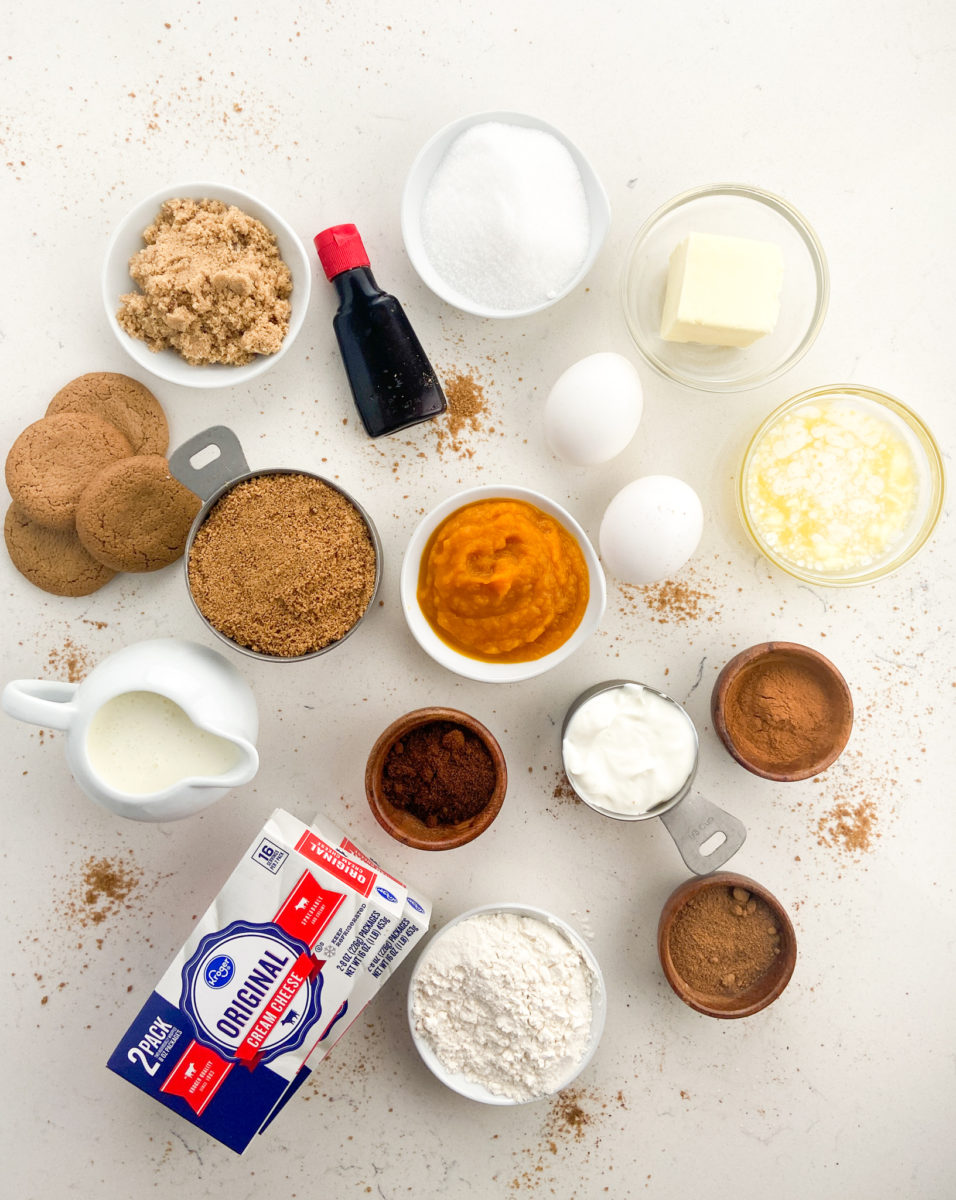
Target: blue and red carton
[[302, 935]]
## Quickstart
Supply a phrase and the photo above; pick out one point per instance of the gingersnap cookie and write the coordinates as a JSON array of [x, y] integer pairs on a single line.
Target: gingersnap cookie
[[123, 402], [54, 459], [135, 516], [52, 559]]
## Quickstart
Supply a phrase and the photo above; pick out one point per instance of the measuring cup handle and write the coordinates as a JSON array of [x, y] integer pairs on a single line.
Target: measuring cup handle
[[692, 822], [209, 478], [40, 702]]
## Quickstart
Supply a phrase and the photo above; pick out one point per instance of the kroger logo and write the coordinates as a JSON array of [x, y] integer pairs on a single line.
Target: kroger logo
[[385, 895], [219, 971], [414, 904]]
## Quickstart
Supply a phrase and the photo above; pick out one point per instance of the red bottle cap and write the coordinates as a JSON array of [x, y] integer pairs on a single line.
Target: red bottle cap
[[340, 249]]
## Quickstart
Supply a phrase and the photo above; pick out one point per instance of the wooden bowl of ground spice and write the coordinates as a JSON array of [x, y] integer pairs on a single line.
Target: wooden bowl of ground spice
[[783, 710], [435, 779], [726, 945]]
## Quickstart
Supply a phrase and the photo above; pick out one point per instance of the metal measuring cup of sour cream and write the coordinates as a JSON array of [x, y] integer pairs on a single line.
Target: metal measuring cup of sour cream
[[630, 752]]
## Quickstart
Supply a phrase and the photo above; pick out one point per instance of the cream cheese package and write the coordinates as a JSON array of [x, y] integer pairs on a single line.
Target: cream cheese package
[[391, 952], [262, 981]]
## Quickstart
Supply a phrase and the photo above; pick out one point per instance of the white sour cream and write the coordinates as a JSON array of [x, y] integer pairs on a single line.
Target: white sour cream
[[628, 749]]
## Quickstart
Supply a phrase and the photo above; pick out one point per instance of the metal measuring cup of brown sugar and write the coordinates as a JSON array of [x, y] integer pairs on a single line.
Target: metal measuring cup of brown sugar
[[212, 479], [692, 821]]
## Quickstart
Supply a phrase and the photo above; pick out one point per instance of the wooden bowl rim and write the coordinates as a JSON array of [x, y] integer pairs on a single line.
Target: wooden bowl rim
[[407, 828], [744, 660], [699, 1000]]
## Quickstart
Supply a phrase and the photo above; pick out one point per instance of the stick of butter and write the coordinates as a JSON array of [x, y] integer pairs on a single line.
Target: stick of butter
[[722, 291]]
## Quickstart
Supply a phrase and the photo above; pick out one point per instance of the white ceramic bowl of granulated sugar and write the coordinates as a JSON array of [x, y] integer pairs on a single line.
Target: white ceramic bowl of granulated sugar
[[480, 1071], [502, 215]]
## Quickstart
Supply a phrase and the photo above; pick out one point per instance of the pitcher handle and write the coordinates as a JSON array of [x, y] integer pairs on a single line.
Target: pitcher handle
[[693, 822], [40, 702]]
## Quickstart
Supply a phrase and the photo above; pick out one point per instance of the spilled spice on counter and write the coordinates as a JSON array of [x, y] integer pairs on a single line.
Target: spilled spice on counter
[[723, 940], [568, 1117], [440, 772], [671, 601], [103, 888], [848, 827], [467, 411], [563, 792], [70, 660]]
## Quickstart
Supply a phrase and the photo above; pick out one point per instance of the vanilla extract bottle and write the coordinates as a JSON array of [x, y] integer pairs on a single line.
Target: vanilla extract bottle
[[392, 381]]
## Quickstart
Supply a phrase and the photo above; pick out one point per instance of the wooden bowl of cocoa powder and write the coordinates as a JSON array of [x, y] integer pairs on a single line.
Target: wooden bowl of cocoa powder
[[726, 945], [435, 779], [782, 710]]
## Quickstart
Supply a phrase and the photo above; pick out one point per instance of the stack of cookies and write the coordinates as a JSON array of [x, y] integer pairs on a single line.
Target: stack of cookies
[[92, 493]]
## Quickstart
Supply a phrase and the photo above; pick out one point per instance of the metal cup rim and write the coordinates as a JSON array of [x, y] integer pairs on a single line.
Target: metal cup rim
[[664, 806], [200, 519]]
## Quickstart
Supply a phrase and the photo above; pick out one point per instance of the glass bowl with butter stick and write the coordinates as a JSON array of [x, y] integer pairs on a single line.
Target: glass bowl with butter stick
[[725, 287]]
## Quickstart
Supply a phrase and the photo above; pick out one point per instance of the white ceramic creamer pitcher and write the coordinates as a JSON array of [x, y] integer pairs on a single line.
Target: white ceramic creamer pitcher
[[157, 731]]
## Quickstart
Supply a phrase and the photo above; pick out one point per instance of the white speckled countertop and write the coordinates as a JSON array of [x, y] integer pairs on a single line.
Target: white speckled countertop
[[846, 1087]]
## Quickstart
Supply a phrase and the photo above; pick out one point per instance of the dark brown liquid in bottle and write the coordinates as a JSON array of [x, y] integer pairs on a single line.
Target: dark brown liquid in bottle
[[392, 381]]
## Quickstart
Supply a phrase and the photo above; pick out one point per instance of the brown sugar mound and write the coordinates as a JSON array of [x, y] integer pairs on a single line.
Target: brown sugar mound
[[213, 285], [283, 564]]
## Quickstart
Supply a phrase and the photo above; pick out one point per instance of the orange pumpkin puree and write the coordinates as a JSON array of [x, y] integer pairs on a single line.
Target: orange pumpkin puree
[[501, 581]]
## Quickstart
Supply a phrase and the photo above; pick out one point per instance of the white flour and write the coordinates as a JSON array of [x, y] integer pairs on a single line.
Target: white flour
[[506, 1000]]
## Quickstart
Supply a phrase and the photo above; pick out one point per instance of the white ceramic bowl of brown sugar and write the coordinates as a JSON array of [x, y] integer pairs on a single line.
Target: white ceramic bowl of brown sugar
[[245, 281]]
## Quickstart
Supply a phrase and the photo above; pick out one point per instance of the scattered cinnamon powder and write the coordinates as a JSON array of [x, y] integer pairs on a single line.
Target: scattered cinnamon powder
[[466, 413], [70, 661], [102, 890], [568, 1117], [671, 601], [569, 1137], [563, 792], [848, 827], [283, 564]]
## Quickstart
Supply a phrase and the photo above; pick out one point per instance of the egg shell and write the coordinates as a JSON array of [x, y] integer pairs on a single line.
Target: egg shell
[[594, 409], [650, 529]]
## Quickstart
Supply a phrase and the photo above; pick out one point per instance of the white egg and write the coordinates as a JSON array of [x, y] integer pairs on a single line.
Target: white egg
[[650, 529], [594, 409]]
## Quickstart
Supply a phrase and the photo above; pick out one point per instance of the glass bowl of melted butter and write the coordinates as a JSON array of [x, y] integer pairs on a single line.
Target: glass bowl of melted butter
[[841, 485]]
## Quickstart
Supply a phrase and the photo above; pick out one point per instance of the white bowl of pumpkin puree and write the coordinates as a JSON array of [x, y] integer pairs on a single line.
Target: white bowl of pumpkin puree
[[500, 584]]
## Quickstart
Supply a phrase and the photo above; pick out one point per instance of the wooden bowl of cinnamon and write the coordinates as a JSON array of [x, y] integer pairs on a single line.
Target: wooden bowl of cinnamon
[[726, 945], [435, 779], [782, 710]]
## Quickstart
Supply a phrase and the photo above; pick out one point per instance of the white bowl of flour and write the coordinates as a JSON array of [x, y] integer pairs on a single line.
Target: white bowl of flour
[[502, 215], [506, 1004]]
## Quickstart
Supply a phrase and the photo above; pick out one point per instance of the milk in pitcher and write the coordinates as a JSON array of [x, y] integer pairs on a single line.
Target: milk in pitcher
[[142, 742]]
